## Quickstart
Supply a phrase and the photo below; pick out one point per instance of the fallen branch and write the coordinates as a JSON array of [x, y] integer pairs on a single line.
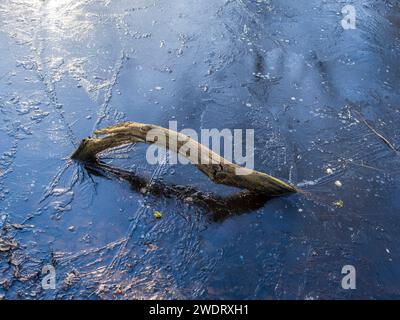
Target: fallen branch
[[217, 168]]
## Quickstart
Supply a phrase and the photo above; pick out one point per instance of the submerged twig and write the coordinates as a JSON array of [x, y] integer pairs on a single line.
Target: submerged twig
[[217, 168], [379, 135], [388, 143]]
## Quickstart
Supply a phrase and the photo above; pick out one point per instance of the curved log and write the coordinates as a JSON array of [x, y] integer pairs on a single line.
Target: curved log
[[217, 168]]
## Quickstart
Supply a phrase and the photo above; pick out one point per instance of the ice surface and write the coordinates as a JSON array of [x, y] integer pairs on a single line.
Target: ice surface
[[284, 68]]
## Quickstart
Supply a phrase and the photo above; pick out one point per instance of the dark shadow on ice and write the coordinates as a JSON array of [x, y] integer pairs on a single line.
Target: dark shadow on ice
[[220, 207]]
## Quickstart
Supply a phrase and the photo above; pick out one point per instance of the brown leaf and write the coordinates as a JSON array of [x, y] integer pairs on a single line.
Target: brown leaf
[[7, 244]]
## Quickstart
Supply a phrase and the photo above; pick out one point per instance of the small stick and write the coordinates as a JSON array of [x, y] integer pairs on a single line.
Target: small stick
[[386, 141], [391, 146]]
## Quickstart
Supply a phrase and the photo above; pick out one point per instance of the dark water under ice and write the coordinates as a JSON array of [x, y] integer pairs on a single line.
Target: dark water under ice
[[285, 68]]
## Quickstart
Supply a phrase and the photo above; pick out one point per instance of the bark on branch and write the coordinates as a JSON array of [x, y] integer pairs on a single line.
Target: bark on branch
[[217, 168]]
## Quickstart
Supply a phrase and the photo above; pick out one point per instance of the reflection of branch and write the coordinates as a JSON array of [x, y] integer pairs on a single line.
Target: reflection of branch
[[217, 168], [221, 207]]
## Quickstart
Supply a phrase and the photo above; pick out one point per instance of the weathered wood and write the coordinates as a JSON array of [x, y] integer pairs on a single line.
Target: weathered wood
[[218, 169]]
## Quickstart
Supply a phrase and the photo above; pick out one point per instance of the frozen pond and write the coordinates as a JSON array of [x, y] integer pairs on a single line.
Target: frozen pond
[[318, 97]]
